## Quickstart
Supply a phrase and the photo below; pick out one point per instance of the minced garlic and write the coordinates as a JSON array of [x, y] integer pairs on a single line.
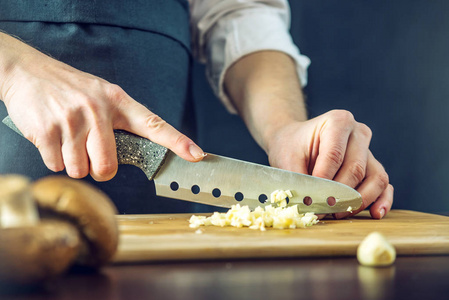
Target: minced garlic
[[260, 218], [280, 217], [280, 197]]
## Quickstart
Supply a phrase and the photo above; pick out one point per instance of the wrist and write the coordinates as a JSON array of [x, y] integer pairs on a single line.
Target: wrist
[[12, 53], [265, 89], [276, 130]]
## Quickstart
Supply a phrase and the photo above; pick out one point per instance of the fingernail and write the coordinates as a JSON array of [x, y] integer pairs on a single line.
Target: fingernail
[[382, 213], [196, 151]]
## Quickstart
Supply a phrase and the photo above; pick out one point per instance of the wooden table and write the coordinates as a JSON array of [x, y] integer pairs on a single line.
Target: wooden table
[[414, 277]]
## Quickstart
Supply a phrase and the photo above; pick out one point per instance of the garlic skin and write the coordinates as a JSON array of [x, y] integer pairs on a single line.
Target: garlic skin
[[376, 251]]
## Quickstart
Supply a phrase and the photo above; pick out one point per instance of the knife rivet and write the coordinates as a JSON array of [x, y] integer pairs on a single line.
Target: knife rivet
[[263, 198]]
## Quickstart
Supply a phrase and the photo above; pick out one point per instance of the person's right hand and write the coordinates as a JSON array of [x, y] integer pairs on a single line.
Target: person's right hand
[[70, 115]]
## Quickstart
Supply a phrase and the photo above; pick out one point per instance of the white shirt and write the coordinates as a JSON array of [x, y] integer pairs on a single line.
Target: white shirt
[[225, 30]]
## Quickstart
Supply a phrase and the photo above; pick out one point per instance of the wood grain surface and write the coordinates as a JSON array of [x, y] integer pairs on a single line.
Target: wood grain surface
[[168, 237]]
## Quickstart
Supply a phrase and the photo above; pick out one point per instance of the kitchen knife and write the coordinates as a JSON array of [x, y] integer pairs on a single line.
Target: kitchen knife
[[223, 182]]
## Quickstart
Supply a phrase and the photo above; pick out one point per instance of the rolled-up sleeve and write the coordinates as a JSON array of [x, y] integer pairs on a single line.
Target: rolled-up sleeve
[[223, 31]]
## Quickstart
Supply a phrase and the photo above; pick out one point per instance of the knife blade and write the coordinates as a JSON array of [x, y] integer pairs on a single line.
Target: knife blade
[[221, 181]]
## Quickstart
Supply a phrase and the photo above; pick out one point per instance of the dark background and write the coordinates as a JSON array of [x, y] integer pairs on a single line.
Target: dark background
[[386, 62]]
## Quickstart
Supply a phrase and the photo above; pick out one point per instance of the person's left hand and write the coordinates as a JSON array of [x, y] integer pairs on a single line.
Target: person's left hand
[[266, 92], [334, 146]]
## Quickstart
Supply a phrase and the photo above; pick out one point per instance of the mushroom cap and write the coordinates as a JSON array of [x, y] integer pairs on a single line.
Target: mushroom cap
[[88, 208], [31, 254]]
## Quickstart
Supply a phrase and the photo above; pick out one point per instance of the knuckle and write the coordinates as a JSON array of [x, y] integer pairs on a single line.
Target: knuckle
[[77, 172], [365, 130], [358, 171], [342, 116], [382, 180], [53, 165], [83, 99], [75, 168], [57, 167], [70, 117], [154, 122], [43, 136], [391, 187], [180, 140], [50, 162], [115, 89], [51, 129], [335, 156], [115, 92], [105, 169]]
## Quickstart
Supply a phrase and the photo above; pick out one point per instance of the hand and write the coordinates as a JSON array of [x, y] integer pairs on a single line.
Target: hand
[[334, 146], [70, 115]]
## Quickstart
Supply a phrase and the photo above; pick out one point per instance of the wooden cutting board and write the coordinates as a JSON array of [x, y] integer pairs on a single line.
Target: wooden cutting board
[[168, 237]]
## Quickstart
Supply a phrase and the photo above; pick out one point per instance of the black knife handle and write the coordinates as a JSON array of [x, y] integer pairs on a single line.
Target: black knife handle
[[131, 150], [140, 152]]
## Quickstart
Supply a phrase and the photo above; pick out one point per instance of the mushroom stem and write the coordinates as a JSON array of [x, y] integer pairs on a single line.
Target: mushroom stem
[[17, 207]]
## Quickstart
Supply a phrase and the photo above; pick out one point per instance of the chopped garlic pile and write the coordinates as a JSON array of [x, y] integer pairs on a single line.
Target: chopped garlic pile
[[281, 217]]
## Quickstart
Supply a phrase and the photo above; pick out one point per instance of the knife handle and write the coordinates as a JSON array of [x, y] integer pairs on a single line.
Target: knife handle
[[140, 152], [131, 150]]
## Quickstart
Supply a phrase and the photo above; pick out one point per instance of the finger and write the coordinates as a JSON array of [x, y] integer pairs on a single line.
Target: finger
[[331, 153], [50, 150], [375, 183], [141, 121], [383, 204], [321, 216], [74, 155], [101, 149], [353, 169]]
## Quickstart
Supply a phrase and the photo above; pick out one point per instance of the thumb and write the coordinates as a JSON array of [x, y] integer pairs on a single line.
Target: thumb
[[137, 119]]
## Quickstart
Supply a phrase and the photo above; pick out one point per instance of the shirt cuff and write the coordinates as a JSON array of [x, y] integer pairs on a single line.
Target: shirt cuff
[[234, 38]]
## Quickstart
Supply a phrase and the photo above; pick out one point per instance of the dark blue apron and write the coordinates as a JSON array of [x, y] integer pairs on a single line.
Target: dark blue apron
[[141, 45]]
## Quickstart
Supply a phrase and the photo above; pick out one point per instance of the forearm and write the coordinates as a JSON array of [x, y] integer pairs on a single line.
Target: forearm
[[6, 62], [265, 89], [12, 52]]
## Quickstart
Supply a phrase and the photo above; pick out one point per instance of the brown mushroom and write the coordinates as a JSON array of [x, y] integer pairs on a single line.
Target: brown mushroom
[[87, 208], [77, 225], [31, 254]]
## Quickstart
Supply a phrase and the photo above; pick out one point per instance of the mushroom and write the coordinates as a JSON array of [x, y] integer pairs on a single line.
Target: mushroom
[[51, 224]]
